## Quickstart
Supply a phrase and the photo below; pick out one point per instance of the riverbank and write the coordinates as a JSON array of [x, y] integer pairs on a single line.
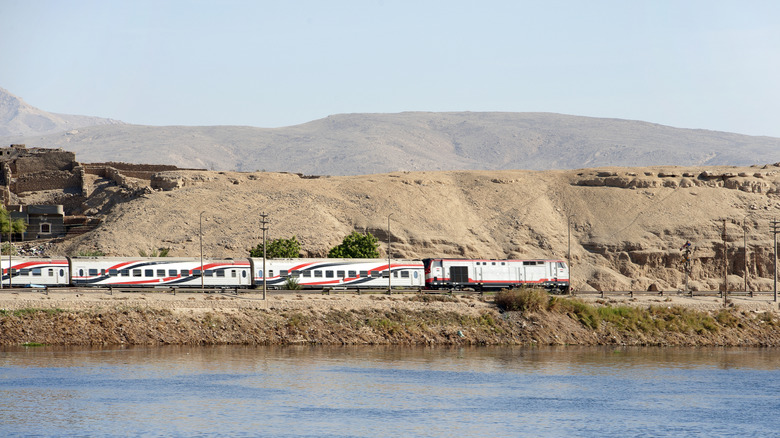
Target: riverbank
[[95, 318]]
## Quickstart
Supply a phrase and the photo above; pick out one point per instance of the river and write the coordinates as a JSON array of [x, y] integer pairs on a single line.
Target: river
[[313, 391]]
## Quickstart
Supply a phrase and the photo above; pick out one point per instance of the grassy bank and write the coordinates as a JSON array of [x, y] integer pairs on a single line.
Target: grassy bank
[[522, 317]]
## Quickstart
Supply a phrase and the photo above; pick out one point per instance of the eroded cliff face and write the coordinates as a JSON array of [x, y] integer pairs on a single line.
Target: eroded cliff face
[[627, 225]]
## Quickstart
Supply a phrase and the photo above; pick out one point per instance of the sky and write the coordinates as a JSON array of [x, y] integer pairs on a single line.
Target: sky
[[690, 64]]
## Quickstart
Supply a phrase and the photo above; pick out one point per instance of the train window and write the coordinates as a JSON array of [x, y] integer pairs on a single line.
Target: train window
[[259, 272], [184, 272], [503, 263], [161, 272], [113, 272], [386, 274], [137, 273], [220, 273], [404, 274], [243, 274], [283, 273], [493, 263], [62, 272], [560, 265], [306, 274], [395, 274], [271, 273], [295, 273], [102, 272], [364, 274], [318, 273], [328, 274], [196, 272], [209, 273], [415, 274], [339, 274], [36, 272], [171, 272], [351, 274], [233, 273], [148, 272], [124, 273], [93, 272], [51, 272], [27, 272]]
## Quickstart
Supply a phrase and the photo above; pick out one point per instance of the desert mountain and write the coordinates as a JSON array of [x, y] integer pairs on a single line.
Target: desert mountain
[[627, 224], [18, 118], [356, 144]]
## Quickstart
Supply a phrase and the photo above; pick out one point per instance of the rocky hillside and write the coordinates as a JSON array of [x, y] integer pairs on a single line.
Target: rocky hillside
[[356, 144], [627, 224], [18, 118]]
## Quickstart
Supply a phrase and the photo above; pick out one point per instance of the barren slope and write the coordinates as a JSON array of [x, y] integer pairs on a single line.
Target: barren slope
[[354, 144], [627, 224]]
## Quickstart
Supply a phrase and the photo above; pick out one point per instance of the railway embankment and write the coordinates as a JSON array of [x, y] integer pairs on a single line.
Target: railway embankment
[[102, 318]]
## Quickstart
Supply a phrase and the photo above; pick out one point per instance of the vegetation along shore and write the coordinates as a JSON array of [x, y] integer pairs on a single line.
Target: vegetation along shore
[[524, 317]]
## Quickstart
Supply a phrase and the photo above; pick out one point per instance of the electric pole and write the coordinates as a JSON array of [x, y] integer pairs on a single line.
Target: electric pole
[[725, 265], [264, 221], [775, 226]]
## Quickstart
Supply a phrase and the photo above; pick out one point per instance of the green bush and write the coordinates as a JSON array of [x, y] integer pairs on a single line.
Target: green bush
[[278, 249], [356, 246], [292, 284], [523, 299]]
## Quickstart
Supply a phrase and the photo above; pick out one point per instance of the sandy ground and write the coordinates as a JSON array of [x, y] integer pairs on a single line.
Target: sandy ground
[[230, 302]]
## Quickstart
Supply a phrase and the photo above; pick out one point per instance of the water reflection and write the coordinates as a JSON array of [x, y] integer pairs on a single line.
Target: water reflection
[[368, 391]]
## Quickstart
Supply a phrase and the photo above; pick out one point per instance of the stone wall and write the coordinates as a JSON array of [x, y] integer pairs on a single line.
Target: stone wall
[[49, 180]]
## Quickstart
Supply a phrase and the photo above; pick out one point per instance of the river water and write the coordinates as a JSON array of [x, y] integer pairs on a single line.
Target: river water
[[315, 391]]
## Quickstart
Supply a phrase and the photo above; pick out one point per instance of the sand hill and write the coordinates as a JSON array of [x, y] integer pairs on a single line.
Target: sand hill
[[627, 224]]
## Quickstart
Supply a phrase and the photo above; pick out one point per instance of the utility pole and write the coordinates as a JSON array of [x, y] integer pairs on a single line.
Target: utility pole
[[389, 270], [264, 221], [775, 225], [725, 265], [568, 255], [200, 234]]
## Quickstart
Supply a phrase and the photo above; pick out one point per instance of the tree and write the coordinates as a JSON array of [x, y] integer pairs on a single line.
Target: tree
[[278, 249], [6, 224], [356, 246]]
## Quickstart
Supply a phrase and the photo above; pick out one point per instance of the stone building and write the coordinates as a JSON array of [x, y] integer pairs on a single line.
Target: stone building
[[43, 221]]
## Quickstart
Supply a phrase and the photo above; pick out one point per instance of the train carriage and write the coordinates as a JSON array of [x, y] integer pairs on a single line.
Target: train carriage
[[346, 273], [159, 271], [495, 274], [35, 271]]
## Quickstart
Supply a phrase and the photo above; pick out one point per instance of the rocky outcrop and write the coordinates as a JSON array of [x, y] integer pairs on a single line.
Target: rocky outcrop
[[766, 181]]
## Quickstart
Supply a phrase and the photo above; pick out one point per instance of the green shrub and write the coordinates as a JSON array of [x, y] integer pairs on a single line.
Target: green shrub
[[292, 284], [523, 299]]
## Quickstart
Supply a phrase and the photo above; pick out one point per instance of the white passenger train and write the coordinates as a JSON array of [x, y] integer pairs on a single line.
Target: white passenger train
[[188, 272], [441, 273]]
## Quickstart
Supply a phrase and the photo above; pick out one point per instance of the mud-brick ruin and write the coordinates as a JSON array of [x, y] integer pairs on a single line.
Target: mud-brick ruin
[[53, 193]]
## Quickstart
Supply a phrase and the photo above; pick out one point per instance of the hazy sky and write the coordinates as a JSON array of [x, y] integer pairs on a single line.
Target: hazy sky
[[691, 64]]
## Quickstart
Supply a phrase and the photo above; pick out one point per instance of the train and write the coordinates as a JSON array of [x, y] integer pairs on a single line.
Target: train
[[307, 273]]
